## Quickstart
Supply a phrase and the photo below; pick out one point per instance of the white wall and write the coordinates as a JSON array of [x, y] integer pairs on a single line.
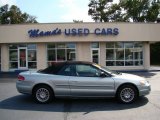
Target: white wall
[[127, 32]]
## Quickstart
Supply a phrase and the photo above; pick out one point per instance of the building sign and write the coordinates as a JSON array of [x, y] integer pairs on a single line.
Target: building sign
[[73, 32], [38, 33]]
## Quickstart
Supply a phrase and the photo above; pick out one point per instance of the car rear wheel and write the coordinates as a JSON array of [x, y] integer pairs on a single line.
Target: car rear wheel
[[127, 94], [43, 94]]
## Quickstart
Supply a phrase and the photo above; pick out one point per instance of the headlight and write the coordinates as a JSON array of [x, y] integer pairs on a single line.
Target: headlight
[[143, 82]]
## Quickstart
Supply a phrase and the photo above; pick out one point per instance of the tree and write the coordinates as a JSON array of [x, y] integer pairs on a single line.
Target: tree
[[97, 10], [13, 15], [153, 12], [115, 14], [140, 10], [126, 10], [103, 11]]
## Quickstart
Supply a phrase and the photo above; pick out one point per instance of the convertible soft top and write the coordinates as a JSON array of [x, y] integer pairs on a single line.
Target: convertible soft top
[[56, 66]]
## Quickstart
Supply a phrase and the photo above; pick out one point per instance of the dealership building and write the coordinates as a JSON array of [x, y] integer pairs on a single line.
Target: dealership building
[[118, 46]]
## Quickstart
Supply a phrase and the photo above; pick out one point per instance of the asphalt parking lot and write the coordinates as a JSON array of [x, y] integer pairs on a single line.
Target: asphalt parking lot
[[15, 106]]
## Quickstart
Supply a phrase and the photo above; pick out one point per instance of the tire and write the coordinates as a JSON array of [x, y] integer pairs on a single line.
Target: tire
[[127, 94], [43, 94]]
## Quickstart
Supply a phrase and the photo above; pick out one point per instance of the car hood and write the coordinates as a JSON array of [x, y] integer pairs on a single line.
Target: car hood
[[128, 77]]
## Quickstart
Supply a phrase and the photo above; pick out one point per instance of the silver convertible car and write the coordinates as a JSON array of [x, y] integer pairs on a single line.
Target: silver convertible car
[[81, 79]]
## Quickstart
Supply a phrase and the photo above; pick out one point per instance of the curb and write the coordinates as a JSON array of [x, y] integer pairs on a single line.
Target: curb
[[4, 80]]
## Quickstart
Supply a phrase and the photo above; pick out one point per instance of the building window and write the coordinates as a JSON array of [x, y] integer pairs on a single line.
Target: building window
[[32, 56], [124, 54], [95, 52], [23, 56], [13, 56], [58, 52]]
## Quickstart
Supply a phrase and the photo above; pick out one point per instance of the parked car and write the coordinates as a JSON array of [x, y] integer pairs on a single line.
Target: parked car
[[81, 79]]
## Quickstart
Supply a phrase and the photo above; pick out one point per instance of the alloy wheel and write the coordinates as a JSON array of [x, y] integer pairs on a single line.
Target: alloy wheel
[[127, 95], [42, 95]]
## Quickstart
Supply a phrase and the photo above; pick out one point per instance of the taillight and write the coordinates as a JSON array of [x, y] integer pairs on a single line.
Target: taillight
[[21, 78]]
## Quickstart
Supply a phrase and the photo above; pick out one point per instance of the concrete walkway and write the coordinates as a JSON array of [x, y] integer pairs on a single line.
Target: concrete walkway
[[154, 68]]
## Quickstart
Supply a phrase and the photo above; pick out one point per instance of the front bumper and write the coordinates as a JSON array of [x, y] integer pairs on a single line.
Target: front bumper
[[144, 90]]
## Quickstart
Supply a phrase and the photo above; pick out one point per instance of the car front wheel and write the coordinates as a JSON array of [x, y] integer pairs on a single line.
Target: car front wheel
[[43, 94], [127, 94]]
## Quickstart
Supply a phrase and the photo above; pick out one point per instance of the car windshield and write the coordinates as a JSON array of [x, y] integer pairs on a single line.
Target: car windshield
[[107, 70], [110, 71]]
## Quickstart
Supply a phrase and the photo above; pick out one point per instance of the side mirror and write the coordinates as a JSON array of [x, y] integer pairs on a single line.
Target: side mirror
[[102, 74]]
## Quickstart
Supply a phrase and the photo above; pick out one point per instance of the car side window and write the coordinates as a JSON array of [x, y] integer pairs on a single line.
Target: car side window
[[87, 71], [66, 70]]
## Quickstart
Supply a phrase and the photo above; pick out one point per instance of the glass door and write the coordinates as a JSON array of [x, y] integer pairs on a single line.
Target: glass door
[[22, 58]]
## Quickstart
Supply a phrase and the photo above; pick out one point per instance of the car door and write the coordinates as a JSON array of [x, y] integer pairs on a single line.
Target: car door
[[88, 83], [61, 81]]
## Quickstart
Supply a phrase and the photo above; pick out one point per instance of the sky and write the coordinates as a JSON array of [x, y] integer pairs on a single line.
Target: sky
[[54, 11]]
